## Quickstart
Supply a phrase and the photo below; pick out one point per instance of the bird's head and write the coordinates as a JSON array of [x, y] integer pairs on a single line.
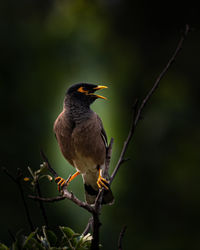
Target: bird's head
[[84, 93]]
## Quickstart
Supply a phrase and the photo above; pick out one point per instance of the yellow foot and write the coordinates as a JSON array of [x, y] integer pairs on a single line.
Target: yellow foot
[[60, 182], [102, 182]]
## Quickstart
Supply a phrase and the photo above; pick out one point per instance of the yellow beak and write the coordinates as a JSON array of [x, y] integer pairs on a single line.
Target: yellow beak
[[98, 88]]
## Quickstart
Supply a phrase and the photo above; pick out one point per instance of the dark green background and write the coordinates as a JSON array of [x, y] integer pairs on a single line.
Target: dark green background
[[45, 46]]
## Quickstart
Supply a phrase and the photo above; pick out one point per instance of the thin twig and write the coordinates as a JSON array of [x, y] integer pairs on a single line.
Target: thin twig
[[137, 111], [66, 195], [48, 200], [121, 236], [48, 164], [73, 198], [17, 180], [42, 208], [163, 72], [88, 227], [126, 143]]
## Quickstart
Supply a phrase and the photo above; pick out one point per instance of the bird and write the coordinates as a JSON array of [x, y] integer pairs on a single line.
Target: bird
[[83, 141]]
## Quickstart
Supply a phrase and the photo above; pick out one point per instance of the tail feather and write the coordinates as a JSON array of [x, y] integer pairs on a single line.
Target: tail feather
[[91, 194]]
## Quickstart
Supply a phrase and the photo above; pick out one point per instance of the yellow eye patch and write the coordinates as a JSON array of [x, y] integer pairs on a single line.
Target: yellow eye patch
[[82, 90]]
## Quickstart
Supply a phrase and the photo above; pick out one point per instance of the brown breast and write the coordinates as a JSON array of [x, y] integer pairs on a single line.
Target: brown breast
[[87, 140], [83, 140], [63, 131]]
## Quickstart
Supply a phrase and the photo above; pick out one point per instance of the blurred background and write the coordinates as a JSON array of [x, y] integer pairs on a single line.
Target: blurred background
[[46, 46]]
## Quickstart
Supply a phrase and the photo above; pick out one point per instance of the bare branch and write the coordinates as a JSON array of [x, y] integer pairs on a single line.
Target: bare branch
[[98, 202], [121, 236], [126, 143], [163, 72], [69, 196], [72, 197], [48, 164], [137, 111], [88, 227], [17, 180], [48, 200], [66, 193], [42, 208]]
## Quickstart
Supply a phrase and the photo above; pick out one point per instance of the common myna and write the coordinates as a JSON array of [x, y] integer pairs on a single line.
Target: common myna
[[83, 141]]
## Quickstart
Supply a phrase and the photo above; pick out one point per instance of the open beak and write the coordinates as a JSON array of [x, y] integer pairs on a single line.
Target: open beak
[[99, 87]]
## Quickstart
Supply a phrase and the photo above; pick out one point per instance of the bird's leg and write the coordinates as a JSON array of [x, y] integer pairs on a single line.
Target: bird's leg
[[102, 182], [73, 176], [61, 181]]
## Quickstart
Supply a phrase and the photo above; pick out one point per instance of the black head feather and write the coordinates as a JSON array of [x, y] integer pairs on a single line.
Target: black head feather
[[83, 93]]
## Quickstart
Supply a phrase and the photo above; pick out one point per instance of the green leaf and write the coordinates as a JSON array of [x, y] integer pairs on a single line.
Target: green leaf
[[33, 244], [27, 239], [50, 237], [3, 247], [67, 231], [17, 245], [70, 237]]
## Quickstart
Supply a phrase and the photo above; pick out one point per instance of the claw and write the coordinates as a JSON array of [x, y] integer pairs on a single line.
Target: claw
[[60, 182], [102, 182]]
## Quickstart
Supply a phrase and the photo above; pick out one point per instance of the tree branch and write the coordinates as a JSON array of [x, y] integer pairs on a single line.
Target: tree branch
[[98, 202], [121, 236], [48, 200], [88, 227], [66, 193], [69, 196], [138, 110], [48, 164]]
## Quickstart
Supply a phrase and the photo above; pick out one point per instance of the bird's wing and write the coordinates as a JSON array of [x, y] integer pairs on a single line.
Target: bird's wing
[[103, 133]]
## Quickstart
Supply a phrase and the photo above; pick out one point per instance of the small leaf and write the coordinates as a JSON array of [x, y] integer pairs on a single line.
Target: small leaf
[[33, 244], [51, 237], [70, 235], [67, 231], [27, 239], [3, 247]]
